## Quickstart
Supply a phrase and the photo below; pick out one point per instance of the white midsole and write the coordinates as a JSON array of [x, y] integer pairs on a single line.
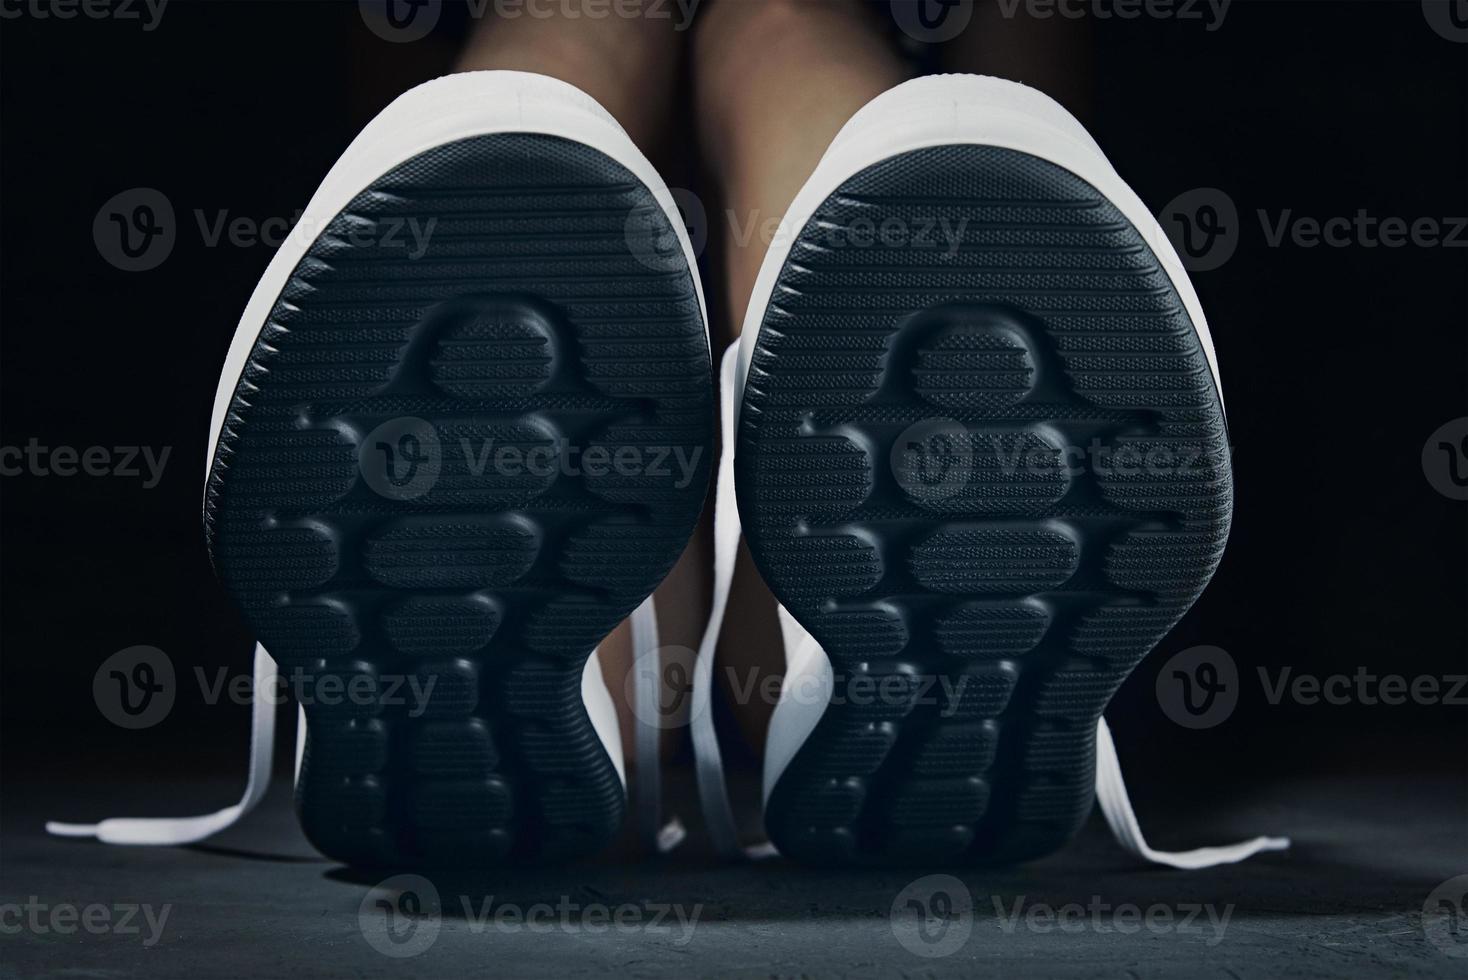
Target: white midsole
[[936, 110], [445, 110]]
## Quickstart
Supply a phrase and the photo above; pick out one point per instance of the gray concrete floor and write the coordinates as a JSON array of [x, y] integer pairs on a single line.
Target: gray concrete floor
[[1347, 901]]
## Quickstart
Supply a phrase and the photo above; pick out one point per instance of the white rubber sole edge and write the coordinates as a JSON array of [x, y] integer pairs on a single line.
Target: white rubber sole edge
[[445, 110], [936, 110]]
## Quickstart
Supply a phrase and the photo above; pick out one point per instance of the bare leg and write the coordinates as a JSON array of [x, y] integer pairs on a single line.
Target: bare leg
[[1052, 54], [629, 65], [774, 82]]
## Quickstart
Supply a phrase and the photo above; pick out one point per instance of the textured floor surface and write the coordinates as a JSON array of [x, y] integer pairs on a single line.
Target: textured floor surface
[[474, 434], [983, 461], [1347, 902]]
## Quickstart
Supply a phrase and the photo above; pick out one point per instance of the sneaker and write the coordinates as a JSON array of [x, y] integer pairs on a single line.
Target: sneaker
[[462, 432], [977, 437]]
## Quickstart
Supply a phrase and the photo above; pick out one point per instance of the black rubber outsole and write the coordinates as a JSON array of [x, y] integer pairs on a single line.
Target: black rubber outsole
[[983, 460], [460, 454]]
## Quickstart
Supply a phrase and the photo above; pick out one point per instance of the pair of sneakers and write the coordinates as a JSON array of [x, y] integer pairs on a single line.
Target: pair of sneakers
[[465, 428]]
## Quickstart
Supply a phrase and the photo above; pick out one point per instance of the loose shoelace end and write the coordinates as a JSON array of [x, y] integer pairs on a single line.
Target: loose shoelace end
[[672, 834], [58, 829]]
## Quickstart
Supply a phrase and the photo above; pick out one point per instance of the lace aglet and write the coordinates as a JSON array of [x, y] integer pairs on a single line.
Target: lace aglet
[[58, 829], [672, 834]]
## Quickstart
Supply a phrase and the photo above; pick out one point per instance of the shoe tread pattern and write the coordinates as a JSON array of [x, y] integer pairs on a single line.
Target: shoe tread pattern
[[1001, 588], [549, 304]]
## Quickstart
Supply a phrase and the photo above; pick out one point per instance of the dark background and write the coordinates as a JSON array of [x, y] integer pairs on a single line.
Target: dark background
[[1337, 362]]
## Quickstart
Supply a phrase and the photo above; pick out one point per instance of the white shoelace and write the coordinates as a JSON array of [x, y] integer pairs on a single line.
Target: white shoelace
[[1116, 807], [190, 830], [1111, 792], [708, 762], [174, 831], [656, 835]]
